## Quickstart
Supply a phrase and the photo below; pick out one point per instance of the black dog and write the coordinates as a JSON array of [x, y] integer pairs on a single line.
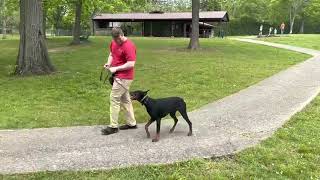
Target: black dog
[[159, 108]]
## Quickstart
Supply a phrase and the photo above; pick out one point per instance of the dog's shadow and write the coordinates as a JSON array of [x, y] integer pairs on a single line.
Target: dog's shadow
[[181, 130]]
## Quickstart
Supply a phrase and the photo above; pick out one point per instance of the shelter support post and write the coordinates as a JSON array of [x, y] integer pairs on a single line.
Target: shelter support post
[[93, 28], [142, 28], [172, 28], [150, 28]]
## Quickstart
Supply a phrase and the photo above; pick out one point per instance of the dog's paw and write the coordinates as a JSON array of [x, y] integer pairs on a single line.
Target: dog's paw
[[190, 134], [155, 140], [171, 131], [148, 136]]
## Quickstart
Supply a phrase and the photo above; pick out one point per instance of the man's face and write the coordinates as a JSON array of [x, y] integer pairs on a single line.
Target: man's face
[[118, 40]]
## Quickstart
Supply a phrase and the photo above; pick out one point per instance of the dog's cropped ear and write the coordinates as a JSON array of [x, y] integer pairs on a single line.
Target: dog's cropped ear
[[147, 91]]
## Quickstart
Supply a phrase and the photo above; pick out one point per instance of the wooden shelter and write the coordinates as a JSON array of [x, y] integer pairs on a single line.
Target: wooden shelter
[[161, 24]]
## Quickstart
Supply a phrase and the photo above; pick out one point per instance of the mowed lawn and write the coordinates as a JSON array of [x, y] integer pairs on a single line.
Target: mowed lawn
[[75, 96], [311, 41], [292, 153]]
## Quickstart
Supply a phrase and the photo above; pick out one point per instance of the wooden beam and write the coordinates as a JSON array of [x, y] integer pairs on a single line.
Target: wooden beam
[[142, 29], [172, 28], [150, 28], [93, 28]]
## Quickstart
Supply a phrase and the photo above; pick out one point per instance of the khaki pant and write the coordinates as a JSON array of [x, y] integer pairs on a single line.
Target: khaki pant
[[120, 97]]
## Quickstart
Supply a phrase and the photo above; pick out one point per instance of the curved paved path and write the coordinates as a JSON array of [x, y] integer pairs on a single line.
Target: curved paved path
[[223, 127]]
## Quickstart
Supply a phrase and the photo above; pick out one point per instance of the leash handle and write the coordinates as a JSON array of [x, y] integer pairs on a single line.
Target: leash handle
[[101, 74], [111, 78]]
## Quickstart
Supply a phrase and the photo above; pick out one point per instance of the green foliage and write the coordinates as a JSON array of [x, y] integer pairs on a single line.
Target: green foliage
[[211, 5], [60, 13], [245, 25], [313, 10], [269, 13], [8, 11]]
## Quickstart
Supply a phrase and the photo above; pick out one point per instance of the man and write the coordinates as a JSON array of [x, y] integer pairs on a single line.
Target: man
[[121, 62], [282, 26], [270, 31], [260, 30]]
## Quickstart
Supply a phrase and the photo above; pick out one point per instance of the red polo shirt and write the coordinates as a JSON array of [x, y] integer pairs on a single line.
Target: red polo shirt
[[122, 54]]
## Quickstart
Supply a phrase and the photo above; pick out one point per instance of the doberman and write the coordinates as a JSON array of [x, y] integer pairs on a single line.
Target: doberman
[[159, 108]]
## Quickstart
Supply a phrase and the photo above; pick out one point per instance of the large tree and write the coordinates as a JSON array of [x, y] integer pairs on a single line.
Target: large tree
[[295, 9], [194, 39], [77, 23], [303, 14], [33, 55]]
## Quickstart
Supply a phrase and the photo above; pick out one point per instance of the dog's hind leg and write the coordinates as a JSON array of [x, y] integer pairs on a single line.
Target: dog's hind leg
[[183, 112], [174, 117], [185, 116]]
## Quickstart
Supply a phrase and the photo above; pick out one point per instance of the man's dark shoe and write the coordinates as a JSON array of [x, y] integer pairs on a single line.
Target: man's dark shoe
[[109, 130], [125, 127]]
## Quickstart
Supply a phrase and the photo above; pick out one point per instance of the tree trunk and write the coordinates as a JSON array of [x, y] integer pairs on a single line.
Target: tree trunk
[[294, 10], [77, 23], [58, 19], [194, 40], [292, 18], [33, 55], [291, 25], [93, 24], [4, 21], [4, 28], [234, 8], [44, 20], [302, 26]]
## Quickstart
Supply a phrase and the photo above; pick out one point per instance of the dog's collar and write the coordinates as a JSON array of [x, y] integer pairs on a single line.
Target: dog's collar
[[144, 99]]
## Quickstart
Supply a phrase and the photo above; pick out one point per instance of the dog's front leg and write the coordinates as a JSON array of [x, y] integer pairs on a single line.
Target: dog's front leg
[[146, 127], [156, 139]]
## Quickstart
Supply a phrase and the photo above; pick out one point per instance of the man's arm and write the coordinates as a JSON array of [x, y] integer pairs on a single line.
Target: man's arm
[[110, 58], [127, 65]]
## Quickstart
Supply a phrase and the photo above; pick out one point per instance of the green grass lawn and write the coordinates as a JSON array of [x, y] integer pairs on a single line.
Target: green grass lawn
[[311, 41], [75, 96], [292, 153]]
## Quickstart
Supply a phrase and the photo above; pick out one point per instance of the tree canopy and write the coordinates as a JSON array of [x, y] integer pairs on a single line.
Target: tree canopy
[[245, 15]]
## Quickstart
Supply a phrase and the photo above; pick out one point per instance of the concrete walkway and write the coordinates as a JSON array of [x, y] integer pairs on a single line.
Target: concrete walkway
[[223, 127]]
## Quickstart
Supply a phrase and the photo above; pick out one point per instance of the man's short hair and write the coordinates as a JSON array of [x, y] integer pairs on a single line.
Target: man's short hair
[[116, 32]]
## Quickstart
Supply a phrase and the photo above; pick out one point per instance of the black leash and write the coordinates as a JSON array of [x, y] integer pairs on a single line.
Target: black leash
[[111, 78], [101, 75]]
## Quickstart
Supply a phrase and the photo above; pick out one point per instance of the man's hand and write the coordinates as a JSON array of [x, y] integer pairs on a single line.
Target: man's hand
[[106, 66], [113, 69]]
